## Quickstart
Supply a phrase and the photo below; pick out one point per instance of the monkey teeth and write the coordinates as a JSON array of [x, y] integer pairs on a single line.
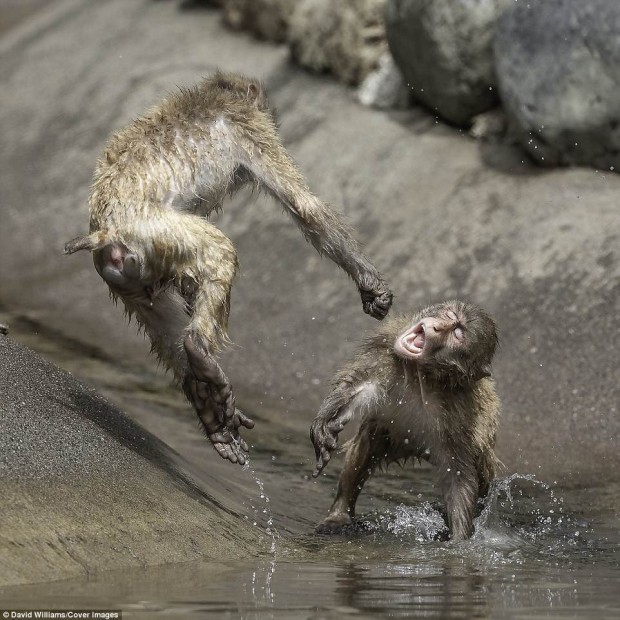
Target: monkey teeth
[[414, 340]]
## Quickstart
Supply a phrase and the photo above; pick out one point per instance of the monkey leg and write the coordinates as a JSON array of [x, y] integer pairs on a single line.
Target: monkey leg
[[459, 483], [185, 315], [206, 283], [364, 453], [485, 466], [268, 161]]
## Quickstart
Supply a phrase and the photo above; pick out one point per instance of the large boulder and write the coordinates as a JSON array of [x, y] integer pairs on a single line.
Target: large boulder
[[444, 49], [558, 66], [266, 19], [385, 87], [344, 37], [440, 214], [86, 489]]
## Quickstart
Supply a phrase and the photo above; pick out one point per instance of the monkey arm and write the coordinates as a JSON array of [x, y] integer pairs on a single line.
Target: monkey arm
[[349, 396], [267, 160]]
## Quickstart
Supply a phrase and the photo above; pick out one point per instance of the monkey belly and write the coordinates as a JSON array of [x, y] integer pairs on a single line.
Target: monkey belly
[[411, 429]]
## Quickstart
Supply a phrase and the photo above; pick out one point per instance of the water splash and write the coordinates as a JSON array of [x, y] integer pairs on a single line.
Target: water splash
[[422, 523], [519, 514], [270, 530]]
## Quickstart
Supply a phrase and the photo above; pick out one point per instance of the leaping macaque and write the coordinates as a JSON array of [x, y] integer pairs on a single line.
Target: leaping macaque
[[154, 187], [421, 387]]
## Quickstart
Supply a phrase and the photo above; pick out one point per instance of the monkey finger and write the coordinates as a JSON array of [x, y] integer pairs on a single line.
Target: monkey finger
[[241, 419], [381, 307]]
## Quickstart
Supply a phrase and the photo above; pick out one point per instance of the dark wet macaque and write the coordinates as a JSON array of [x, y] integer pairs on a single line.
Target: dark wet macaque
[[154, 187], [4, 329], [422, 389]]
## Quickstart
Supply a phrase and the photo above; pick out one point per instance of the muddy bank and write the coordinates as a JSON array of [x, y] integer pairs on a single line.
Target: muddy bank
[[440, 214], [86, 489]]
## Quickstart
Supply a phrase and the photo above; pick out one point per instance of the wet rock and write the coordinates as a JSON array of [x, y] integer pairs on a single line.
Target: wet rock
[[444, 49], [558, 64], [344, 37], [385, 88], [266, 19], [85, 489], [490, 126]]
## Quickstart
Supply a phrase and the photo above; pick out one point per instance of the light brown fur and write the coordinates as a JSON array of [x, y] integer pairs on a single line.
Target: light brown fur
[[154, 187], [441, 407]]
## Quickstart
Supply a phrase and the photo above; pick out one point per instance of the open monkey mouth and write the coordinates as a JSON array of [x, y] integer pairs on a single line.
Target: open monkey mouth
[[413, 341]]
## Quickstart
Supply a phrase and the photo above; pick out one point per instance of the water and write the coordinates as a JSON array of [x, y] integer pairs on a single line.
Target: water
[[539, 550]]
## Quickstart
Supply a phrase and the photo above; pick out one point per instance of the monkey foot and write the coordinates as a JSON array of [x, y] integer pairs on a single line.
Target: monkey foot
[[229, 447], [377, 303], [210, 392], [4, 328], [222, 431], [337, 525]]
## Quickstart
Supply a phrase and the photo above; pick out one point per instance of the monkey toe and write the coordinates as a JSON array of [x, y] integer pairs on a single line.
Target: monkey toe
[[240, 419]]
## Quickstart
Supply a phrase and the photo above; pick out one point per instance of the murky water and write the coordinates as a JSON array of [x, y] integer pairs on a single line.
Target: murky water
[[539, 550]]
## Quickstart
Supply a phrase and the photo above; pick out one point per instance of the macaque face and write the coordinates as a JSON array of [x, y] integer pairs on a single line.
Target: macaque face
[[451, 336]]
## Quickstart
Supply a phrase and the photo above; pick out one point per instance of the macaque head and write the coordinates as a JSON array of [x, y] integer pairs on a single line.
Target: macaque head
[[453, 339]]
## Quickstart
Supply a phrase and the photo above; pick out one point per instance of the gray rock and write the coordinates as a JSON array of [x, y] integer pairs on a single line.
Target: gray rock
[[439, 213], [385, 88], [344, 37], [558, 65], [85, 489], [266, 19], [444, 49]]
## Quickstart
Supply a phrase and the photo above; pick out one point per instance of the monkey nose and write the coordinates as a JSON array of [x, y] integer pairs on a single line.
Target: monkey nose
[[435, 325]]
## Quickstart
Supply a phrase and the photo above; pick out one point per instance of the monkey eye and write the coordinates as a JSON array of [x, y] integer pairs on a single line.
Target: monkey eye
[[459, 332]]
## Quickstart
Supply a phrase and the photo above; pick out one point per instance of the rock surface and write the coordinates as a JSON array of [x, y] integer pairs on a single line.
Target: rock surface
[[266, 19], [444, 49], [439, 213], [85, 489], [344, 37], [558, 65], [385, 87]]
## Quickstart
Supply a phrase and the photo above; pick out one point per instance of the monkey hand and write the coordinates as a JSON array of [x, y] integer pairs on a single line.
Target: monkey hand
[[324, 436], [377, 301]]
